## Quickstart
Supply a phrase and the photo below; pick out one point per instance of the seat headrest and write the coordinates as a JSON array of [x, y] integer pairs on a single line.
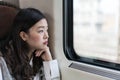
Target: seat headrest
[[7, 14]]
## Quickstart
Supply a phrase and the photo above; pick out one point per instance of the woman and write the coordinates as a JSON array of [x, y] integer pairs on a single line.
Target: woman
[[27, 55]]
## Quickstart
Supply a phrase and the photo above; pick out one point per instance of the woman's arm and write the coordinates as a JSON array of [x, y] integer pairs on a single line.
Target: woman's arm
[[51, 70], [50, 66]]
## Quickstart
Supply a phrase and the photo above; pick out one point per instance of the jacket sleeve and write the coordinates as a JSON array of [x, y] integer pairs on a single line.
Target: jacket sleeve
[[4, 72], [51, 70], [1, 78]]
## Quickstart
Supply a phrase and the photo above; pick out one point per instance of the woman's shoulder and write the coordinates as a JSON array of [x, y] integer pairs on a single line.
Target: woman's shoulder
[[2, 61], [4, 69]]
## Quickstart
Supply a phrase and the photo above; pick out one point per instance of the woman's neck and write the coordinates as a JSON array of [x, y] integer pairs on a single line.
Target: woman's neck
[[30, 53]]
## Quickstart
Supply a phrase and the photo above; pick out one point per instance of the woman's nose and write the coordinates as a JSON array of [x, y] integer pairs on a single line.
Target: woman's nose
[[46, 36]]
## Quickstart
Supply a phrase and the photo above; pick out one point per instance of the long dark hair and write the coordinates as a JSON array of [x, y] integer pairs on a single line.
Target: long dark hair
[[18, 60]]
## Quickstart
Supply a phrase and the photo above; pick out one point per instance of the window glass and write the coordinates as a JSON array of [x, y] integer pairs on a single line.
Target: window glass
[[96, 29]]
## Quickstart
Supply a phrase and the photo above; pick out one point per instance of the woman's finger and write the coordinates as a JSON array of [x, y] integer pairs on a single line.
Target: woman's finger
[[38, 53]]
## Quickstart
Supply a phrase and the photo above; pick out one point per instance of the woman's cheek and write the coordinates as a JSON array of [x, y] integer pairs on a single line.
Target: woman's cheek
[[36, 39]]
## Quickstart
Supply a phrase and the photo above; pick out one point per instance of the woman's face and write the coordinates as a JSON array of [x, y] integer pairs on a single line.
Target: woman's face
[[37, 38]]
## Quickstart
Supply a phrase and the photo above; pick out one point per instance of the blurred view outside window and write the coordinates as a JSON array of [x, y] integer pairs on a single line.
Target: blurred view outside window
[[96, 29]]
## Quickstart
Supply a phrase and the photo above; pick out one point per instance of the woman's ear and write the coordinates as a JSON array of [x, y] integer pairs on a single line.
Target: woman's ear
[[23, 35]]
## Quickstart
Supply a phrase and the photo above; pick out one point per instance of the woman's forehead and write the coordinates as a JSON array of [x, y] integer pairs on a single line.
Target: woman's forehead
[[42, 23]]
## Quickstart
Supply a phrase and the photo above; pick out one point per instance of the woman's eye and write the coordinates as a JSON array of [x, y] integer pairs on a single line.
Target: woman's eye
[[40, 31]]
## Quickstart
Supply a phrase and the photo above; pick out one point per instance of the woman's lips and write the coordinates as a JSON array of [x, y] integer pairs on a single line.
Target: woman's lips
[[46, 42]]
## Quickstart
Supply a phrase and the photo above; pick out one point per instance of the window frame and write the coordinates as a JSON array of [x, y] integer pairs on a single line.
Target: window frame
[[68, 40]]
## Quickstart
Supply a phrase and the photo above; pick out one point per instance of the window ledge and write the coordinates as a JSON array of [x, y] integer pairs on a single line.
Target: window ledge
[[109, 73]]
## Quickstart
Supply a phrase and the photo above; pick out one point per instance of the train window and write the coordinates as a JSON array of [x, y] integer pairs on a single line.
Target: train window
[[96, 29], [91, 32]]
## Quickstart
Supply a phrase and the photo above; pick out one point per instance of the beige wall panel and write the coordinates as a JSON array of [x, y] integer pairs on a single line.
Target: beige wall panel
[[14, 2]]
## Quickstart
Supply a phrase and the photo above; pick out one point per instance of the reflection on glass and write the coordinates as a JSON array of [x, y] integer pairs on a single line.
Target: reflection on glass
[[96, 29]]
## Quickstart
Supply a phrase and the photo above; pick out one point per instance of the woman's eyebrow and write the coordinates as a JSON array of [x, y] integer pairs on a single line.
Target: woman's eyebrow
[[41, 27]]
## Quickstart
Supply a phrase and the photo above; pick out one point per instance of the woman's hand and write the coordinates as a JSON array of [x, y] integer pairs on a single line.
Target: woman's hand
[[44, 54]]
